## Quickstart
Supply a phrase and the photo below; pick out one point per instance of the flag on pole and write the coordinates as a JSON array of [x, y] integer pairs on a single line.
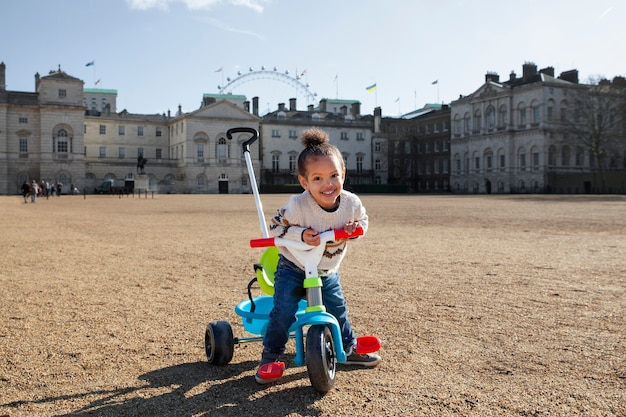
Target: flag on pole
[[371, 88], [97, 82], [303, 73], [398, 99], [90, 63], [219, 70], [435, 82]]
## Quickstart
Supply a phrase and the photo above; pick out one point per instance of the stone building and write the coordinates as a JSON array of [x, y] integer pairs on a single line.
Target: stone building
[[42, 133], [419, 149], [64, 132], [347, 129], [512, 136]]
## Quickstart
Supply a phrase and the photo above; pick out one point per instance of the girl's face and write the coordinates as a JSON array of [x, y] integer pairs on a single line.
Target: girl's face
[[324, 180]]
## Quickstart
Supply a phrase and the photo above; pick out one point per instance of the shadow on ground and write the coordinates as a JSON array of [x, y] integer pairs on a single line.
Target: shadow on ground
[[228, 395]]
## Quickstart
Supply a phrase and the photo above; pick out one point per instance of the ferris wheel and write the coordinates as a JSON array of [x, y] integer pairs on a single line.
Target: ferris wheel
[[274, 75]]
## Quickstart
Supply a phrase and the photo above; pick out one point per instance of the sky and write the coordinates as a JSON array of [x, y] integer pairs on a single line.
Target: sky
[[161, 54]]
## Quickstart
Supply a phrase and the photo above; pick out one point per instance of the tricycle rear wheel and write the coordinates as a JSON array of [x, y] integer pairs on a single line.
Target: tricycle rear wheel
[[321, 361], [219, 343]]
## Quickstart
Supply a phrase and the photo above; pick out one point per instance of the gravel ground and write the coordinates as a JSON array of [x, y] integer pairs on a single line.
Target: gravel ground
[[486, 305]]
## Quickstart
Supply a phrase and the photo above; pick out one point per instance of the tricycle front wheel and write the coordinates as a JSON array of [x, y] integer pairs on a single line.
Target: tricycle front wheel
[[321, 361], [219, 343]]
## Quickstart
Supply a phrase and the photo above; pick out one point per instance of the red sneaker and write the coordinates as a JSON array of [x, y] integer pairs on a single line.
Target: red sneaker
[[269, 372]]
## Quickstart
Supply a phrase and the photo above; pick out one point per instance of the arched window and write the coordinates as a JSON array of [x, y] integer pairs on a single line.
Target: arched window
[[552, 155], [491, 118], [503, 117], [222, 150], [565, 156]]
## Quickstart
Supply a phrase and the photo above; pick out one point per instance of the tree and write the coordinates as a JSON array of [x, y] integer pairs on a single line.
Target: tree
[[597, 122]]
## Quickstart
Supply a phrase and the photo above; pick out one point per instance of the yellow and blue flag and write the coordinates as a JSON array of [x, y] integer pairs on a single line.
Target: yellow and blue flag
[[371, 88]]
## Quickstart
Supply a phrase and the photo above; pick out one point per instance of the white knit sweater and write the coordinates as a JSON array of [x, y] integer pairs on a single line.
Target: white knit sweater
[[303, 212]]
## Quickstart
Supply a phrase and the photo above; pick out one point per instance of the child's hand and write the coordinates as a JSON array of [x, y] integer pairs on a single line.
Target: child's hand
[[350, 227], [311, 237]]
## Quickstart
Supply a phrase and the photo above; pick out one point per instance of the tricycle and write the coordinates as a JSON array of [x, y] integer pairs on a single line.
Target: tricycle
[[323, 347]]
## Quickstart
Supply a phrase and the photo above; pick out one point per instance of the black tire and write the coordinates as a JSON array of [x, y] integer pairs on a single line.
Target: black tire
[[321, 362], [219, 343]]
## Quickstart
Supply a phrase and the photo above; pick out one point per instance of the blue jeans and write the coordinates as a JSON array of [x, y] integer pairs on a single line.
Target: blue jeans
[[288, 291]]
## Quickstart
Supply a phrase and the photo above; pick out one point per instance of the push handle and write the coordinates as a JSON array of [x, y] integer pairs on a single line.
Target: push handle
[[246, 145], [339, 234]]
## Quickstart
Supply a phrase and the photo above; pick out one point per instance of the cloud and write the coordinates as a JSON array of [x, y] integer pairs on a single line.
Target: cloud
[[227, 28], [193, 4]]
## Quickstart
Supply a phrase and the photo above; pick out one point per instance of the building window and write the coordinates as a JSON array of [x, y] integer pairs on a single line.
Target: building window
[[502, 162], [536, 160], [293, 134], [275, 133], [491, 118], [200, 152], [222, 150], [159, 153], [344, 135], [62, 141], [292, 163], [103, 152], [377, 165], [359, 164], [275, 163], [158, 132], [359, 136], [503, 116], [23, 120], [103, 129], [139, 130], [522, 162], [23, 145], [121, 130], [522, 117], [580, 156], [377, 146], [62, 93], [121, 152], [536, 114]]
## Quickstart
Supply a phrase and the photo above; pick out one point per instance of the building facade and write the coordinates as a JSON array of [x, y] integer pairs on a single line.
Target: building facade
[[419, 149], [502, 132], [65, 133], [352, 133], [42, 133]]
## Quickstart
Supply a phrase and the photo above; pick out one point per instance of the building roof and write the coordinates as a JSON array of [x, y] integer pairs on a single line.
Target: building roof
[[99, 91]]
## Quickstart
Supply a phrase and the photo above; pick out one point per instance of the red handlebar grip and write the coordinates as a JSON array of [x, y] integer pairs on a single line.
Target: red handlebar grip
[[342, 234], [262, 242]]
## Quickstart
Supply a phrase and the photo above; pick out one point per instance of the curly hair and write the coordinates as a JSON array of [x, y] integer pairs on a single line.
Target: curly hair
[[316, 143]]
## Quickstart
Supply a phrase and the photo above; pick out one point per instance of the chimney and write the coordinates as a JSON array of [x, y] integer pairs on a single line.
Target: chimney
[[377, 117], [512, 76], [255, 106], [292, 104], [571, 76], [323, 105], [3, 71], [344, 110], [529, 70], [246, 106], [493, 77], [356, 109], [310, 108], [548, 71], [281, 106]]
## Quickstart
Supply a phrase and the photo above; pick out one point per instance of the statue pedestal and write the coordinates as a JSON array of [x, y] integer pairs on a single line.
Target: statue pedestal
[[142, 182]]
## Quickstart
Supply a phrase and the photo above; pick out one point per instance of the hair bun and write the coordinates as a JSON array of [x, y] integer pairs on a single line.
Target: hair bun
[[314, 137]]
